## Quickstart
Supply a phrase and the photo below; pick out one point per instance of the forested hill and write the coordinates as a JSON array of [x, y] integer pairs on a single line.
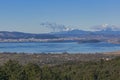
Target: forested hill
[[21, 35]]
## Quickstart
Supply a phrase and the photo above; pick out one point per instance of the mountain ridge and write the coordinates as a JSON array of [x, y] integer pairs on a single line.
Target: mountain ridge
[[23, 35], [63, 34]]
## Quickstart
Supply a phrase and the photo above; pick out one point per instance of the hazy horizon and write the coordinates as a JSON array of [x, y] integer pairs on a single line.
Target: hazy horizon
[[27, 15]]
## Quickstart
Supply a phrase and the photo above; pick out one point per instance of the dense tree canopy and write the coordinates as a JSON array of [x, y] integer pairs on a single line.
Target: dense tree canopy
[[92, 70]]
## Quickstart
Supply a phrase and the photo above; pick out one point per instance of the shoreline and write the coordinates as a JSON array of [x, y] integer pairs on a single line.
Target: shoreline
[[107, 52]]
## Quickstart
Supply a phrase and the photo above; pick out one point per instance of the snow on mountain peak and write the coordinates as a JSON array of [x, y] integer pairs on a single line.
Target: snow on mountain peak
[[106, 27]]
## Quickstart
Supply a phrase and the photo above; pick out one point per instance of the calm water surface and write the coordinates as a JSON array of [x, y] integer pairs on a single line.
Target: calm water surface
[[71, 47]]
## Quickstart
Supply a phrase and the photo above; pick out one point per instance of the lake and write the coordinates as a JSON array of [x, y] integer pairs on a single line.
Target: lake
[[57, 47]]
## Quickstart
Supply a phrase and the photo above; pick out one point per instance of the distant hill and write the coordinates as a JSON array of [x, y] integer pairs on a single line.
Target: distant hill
[[72, 33], [63, 34], [21, 35], [108, 33]]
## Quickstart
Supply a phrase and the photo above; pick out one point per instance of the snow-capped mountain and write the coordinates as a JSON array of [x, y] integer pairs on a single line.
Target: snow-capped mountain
[[101, 30], [106, 27]]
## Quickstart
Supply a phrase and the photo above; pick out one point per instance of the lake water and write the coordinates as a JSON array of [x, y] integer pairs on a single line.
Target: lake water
[[57, 47]]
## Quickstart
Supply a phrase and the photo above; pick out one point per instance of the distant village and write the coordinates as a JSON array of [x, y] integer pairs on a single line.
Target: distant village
[[78, 40]]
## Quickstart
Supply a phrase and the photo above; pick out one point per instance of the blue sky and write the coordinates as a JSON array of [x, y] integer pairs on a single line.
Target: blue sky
[[26, 15]]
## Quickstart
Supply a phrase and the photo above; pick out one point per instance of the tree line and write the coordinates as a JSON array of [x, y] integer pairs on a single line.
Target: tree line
[[91, 70]]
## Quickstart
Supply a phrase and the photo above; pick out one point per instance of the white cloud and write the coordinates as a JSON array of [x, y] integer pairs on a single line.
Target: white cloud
[[106, 27], [55, 27]]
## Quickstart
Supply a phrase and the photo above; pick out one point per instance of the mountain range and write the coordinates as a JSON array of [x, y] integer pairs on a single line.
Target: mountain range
[[63, 34], [88, 34]]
